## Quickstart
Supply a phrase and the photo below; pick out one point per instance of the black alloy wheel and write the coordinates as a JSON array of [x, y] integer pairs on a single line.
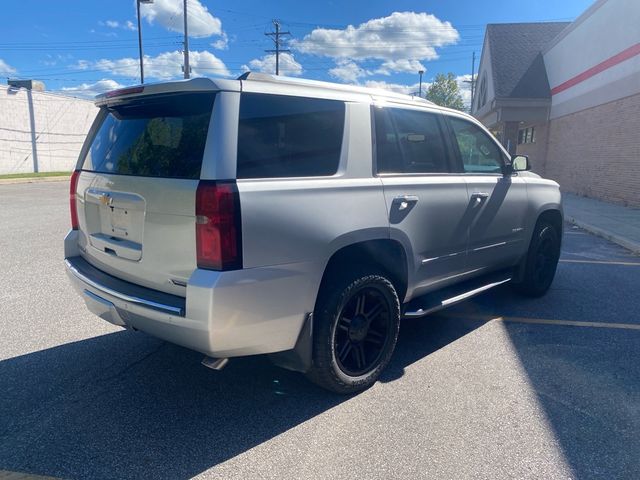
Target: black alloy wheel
[[355, 330], [546, 259], [362, 331], [541, 261]]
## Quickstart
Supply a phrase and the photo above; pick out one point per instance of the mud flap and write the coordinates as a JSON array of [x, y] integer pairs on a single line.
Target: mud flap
[[300, 358]]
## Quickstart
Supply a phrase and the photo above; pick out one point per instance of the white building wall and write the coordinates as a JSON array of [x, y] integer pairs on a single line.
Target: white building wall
[[484, 71], [607, 29], [61, 124]]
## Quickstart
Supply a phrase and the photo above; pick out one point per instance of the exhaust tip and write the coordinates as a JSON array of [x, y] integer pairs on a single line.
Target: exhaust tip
[[215, 363]]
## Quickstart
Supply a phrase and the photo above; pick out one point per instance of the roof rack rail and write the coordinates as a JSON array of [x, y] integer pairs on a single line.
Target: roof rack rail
[[267, 77], [255, 76]]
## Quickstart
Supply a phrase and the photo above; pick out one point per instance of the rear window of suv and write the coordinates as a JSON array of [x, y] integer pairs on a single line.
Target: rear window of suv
[[285, 136], [159, 136]]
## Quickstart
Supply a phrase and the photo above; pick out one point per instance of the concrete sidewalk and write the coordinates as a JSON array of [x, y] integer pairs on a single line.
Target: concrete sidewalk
[[614, 222]]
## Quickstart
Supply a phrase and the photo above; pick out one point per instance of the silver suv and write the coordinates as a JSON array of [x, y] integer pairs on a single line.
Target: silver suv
[[299, 219]]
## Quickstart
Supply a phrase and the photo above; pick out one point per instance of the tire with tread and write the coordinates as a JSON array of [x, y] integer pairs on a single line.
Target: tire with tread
[[334, 297], [541, 260]]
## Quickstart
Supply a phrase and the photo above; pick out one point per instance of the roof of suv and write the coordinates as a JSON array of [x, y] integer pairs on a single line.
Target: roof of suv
[[200, 84]]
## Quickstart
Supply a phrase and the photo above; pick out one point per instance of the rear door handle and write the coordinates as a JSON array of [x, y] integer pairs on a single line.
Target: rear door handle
[[404, 201], [479, 197]]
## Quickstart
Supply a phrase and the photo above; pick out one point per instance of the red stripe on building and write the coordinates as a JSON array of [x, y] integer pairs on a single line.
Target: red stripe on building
[[601, 67]]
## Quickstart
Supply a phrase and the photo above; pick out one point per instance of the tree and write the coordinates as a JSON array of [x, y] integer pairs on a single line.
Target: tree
[[444, 91]]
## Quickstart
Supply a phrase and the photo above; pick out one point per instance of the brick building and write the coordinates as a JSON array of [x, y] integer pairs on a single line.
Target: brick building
[[568, 95]]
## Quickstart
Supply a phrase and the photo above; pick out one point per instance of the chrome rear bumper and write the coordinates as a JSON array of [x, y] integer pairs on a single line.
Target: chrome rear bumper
[[79, 269], [224, 314]]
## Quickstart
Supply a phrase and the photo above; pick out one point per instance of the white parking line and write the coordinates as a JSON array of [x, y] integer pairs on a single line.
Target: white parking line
[[7, 475], [542, 321], [601, 262]]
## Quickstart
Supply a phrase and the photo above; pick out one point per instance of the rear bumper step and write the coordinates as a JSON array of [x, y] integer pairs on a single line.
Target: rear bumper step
[[81, 270]]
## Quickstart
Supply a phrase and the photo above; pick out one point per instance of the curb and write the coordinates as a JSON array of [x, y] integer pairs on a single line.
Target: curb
[[612, 237], [12, 181], [9, 475]]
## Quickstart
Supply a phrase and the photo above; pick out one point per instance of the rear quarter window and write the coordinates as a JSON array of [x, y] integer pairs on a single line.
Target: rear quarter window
[[284, 136], [161, 136]]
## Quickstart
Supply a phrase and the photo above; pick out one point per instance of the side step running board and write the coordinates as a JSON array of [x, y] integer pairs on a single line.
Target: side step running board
[[432, 302]]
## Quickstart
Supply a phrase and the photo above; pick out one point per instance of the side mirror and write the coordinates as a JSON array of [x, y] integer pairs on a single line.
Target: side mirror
[[520, 163]]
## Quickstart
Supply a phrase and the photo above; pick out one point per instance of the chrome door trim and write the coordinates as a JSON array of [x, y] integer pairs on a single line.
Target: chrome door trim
[[493, 245], [449, 255]]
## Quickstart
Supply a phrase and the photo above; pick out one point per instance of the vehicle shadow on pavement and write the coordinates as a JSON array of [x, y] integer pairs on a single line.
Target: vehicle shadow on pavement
[[586, 379], [587, 382], [125, 405]]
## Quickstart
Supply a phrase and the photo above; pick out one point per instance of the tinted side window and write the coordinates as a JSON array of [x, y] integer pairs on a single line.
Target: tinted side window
[[281, 136], [479, 152], [158, 136], [409, 141], [388, 155]]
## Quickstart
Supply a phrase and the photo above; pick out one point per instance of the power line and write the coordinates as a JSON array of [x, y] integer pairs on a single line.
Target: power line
[[76, 42]]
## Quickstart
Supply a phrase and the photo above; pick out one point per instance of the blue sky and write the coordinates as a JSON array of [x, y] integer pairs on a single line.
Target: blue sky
[[84, 47]]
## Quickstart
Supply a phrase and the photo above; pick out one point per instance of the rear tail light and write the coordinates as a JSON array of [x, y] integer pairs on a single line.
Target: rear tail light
[[73, 206], [218, 227]]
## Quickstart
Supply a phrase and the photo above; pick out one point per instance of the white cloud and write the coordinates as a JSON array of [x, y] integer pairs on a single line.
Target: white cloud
[[465, 88], [222, 43], [400, 41], [6, 69], [163, 66], [128, 25], [267, 64], [388, 38], [90, 90], [402, 65], [348, 71], [51, 60], [169, 14]]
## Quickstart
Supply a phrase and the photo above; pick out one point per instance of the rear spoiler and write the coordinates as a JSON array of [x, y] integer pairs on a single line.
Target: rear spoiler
[[192, 85]]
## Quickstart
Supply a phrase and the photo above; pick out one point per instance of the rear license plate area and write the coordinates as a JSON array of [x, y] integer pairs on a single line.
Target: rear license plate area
[[120, 221]]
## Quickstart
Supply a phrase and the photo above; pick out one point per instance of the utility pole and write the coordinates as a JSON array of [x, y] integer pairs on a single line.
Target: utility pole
[[473, 80], [138, 2], [473, 73], [420, 72], [277, 42], [186, 68]]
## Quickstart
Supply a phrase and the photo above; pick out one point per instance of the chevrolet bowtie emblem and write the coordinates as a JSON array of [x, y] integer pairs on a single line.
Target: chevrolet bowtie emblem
[[106, 199]]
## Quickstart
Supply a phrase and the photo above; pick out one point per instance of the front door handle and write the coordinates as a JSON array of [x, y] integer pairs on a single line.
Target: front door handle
[[404, 201], [480, 195]]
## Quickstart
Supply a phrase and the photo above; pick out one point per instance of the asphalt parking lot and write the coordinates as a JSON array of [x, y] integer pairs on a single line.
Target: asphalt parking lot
[[498, 387]]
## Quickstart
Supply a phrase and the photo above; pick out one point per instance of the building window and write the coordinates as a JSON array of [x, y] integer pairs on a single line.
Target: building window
[[526, 135], [482, 92]]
